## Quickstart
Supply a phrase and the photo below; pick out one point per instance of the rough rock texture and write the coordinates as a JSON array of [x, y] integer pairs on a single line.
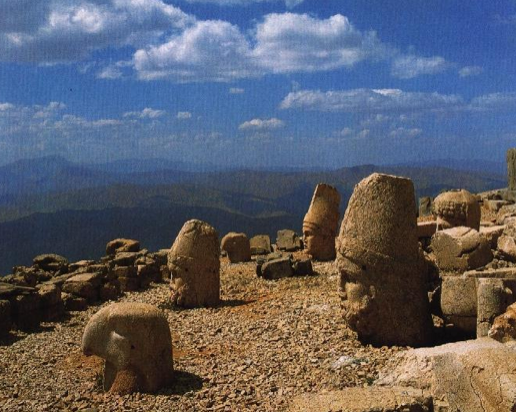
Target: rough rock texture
[[511, 168], [492, 234], [473, 376], [122, 245], [426, 206], [457, 208], [237, 247], [288, 240], [135, 341], [194, 265], [459, 303], [260, 245], [426, 229], [277, 268], [460, 249], [383, 273], [493, 297], [303, 267], [320, 223], [85, 285], [504, 326], [51, 262], [369, 399], [51, 304], [507, 247], [25, 311]]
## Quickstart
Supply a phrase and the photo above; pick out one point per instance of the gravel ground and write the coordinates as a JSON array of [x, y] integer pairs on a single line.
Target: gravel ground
[[267, 342]]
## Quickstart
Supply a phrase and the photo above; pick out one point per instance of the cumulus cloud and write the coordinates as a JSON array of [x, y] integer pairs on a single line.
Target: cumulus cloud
[[370, 100], [209, 50], [184, 115], [262, 124], [408, 67], [298, 42], [53, 31], [470, 71], [146, 113], [236, 90]]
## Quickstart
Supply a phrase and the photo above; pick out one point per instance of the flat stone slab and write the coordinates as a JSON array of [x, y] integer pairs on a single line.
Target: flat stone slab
[[501, 273], [371, 399]]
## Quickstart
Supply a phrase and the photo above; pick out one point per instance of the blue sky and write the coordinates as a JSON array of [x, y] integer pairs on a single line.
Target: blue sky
[[258, 83]]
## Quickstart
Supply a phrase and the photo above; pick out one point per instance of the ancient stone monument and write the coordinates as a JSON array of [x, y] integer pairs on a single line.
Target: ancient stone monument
[[382, 270], [320, 223], [134, 339], [237, 247], [457, 208], [194, 265], [511, 168]]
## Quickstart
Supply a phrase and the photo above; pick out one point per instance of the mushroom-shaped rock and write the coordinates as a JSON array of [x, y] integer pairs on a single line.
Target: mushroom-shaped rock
[[320, 223], [134, 340], [237, 246], [194, 266], [460, 249], [457, 208], [382, 270]]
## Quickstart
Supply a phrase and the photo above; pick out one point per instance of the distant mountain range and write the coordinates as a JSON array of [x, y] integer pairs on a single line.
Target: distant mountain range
[[54, 205]]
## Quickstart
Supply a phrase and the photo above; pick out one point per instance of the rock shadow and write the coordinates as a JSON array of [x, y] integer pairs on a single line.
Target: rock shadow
[[183, 382]]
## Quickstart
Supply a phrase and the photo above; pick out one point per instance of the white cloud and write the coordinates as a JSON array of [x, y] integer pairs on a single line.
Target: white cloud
[[207, 51], [110, 72], [6, 106], [62, 30], [259, 124], [184, 115], [470, 71], [301, 43], [370, 100], [146, 113], [408, 67], [494, 101], [236, 90], [288, 3]]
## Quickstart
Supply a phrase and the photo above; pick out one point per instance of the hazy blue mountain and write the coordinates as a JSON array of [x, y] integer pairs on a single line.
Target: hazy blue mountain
[[70, 209]]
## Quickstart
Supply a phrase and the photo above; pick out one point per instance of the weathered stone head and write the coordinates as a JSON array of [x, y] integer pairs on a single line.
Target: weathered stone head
[[237, 246], [457, 208], [135, 341], [320, 223], [194, 265], [382, 270]]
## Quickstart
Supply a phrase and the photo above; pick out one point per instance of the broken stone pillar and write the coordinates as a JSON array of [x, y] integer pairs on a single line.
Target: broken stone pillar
[[457, 208], [492, 300], [511, 168], [194, 265], [320, 223], [288, 240], [260, 245], [382, 271]]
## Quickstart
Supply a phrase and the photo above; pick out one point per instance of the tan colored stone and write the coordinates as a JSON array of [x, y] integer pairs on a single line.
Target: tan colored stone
[[492, 234], [370, 399], [320, 223], [383, 272], [135, 341], [474, 376], [426, 229], [504, 326], [260, 245], [194, 265], [457, 208], [460, 248], [122, 245], [511, 168], [288, 240], [237, 246]]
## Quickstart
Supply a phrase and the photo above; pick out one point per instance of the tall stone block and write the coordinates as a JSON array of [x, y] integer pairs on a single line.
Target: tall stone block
[[320, 223], [382, 272], [194, 265], [511, 168]]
